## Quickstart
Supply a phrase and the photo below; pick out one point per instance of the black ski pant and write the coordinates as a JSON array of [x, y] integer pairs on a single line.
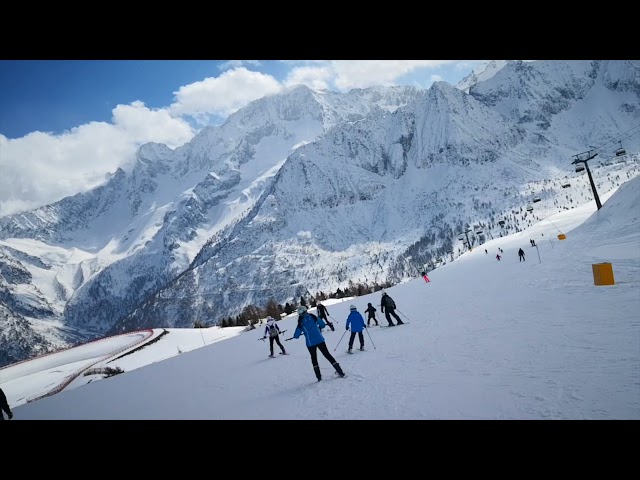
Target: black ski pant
[[391, 312], [277, 340], [313, 350], [328, 323], [372, 318], [353, 337]]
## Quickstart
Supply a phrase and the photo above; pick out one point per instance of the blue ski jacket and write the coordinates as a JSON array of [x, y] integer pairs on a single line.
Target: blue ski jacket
[[308, 326], [356, 321]]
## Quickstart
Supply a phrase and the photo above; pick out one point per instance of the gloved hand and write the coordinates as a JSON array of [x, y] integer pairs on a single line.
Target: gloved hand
[[347, 329], [10, 415]]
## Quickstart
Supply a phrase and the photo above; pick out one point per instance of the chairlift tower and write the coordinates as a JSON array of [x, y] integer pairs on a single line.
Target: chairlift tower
[[583, 158], [466, 234]]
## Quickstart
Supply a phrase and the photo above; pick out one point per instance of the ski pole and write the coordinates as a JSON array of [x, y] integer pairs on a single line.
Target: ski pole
[[374, 345], [403, 315], [333, 318], [340, 339]]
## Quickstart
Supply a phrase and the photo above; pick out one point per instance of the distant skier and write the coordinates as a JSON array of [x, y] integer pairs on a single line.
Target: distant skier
[[323, 313], [308, 326], [272, 330], [498, 256], [371, 311], [486, 252], [424, 275], [387, 303], [521, 255], [356, 322], [4, 405]]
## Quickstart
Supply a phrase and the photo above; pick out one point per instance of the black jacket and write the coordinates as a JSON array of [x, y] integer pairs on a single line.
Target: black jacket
[[322, 311], [387, 302]]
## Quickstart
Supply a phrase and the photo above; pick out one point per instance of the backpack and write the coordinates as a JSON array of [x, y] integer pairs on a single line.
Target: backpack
[[273, 330]]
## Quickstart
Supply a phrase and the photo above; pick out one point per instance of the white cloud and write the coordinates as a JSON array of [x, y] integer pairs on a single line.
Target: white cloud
[[41, 168], [223, 95], [436, 78], [365, 73], [316, 77], [347, 74], [238, 63]]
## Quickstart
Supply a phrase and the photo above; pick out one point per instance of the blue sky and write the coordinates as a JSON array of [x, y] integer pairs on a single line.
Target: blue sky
[[65, 124]]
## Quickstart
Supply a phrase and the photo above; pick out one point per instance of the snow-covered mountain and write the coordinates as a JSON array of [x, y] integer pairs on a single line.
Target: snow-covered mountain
[[368, 196], [480, 74], [145, 225], [307, 191]]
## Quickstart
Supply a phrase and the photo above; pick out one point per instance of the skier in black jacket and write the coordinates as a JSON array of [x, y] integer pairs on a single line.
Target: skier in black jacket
[[371, 311], [388, 307], [323, 313], [4, 406]]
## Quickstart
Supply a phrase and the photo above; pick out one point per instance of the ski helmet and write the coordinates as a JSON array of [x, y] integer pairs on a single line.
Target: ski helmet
[[302, 310], [352, 307]]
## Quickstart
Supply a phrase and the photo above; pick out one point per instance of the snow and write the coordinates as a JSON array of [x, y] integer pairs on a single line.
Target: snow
[[485, 339]]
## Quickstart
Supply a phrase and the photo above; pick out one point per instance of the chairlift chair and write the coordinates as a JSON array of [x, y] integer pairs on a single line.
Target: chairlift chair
[[501, 222], [478, 232], [620, 151], [529, 208], [579, 167], [566, 185], [536, 199]]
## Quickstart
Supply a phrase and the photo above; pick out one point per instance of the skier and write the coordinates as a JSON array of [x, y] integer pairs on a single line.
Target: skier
[[390, 306], [323, 313], [356, 322], [371, 311], [272, 330], [521, 254], [424, 275], [308, 327], [4, 405], [498, 256]]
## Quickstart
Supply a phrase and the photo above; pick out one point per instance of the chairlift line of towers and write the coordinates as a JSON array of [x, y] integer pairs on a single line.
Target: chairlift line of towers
[[579, 167]]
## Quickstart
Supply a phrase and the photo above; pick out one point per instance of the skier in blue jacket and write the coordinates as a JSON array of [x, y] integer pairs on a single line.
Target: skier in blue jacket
[[308, 326], [356, 322]]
